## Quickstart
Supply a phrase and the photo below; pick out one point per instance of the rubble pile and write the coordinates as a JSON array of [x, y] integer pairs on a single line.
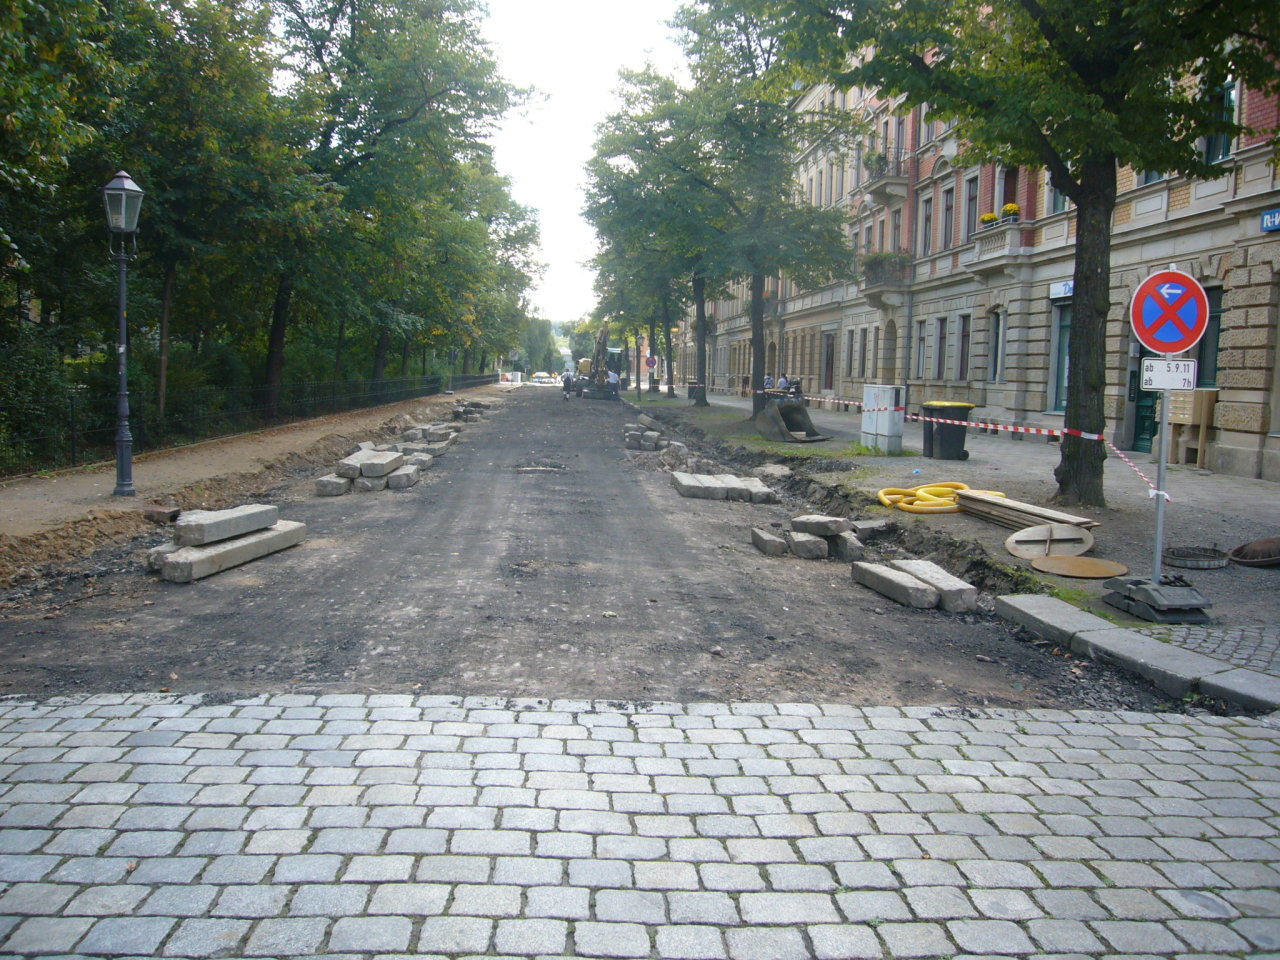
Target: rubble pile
[[382, 466]]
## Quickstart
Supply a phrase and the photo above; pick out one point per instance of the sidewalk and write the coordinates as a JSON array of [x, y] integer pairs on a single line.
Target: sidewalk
[[386, 826], [1205, 510]]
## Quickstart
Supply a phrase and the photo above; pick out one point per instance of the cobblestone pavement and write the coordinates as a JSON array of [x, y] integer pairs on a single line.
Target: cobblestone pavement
[[1252, 647], [378, 826]]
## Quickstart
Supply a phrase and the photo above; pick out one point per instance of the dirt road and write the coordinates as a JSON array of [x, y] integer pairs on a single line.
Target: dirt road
[[535, 559]]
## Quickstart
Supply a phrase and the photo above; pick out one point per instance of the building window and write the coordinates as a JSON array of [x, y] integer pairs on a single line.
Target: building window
[[1207, 348], [1217, 147], [962, 347], [875, 352], [1062, 350], [880, 227], [848, 354], [948, 216], [818, 199], [970, 207], [920, 344], [996, 347], [1148, 177], [940, 348], [866, 240], [895, 220], [862, 353], [1057, 200], [926, 226]]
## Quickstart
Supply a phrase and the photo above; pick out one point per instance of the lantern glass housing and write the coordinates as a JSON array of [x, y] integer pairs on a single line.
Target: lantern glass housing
[[123, 199]]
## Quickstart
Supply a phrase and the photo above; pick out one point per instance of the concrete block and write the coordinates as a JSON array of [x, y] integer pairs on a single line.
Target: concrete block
[[1248, 688], [820, 525], [632, 428], [405, 477], [332, 485], [156, 555], [770, 544], [419, 460], [759, 492], [894, 584], [845, 546], [369, 484], [651, 435], [1174, 670], [647, 421], [408, 448], [350, 466], [806, 546], [194, 563], [698, 486], [662, 444], [632, 441], [198, 527], [381, 464], [869, 529], [734, 487], [649, 446], [414, 433], [1048, 617], [954, 595], [438, 433]]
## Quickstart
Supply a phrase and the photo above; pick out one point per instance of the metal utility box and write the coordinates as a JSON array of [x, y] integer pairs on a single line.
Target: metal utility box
[[882, 416]]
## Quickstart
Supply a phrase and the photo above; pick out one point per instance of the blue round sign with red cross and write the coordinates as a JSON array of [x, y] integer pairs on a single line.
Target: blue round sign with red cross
[[1169, 312]]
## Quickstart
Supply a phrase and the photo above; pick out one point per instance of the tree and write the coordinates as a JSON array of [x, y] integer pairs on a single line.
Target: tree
[[1077, 87], [752, 141]]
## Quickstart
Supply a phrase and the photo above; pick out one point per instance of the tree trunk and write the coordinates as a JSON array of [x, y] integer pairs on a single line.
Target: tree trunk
[[275, 343], [404, 357], [700, 340], [651, 351], [670, 352], [466, 362], [166, 301], [380, 354], [1079, 472], [757, 343]]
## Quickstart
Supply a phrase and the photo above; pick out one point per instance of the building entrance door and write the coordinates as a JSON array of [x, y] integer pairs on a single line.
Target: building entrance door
[[828, 361]]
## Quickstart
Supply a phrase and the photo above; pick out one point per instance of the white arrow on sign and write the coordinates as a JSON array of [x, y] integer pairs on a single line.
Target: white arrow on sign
[[1171, 291]]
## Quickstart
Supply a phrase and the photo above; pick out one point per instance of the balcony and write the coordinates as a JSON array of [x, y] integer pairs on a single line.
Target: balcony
[[885, 277], [996, 249], [886, 176]]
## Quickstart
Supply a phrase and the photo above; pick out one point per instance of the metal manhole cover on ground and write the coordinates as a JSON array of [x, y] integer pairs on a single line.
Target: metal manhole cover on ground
[[1084, 568], [1195, 558]]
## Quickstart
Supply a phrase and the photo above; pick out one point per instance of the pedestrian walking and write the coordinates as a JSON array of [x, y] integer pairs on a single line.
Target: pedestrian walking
[[613, 384], [566, 383], [783, 382]]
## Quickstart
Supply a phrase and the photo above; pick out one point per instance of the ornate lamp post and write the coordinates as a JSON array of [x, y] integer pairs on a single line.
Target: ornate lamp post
[[123, 200]]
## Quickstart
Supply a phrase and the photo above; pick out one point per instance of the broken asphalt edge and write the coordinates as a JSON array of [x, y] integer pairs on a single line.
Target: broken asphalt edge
[[1175, 671]]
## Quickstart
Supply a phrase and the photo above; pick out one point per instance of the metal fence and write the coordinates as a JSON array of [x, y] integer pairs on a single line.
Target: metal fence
[[82, 427]]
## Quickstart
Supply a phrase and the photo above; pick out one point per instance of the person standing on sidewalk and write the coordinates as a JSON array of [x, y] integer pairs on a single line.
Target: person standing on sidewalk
[[566, 383]]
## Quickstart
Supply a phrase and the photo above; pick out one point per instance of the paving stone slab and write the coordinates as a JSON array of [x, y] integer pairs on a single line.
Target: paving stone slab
[[332, 485], [195, 528], [770, 544], [1048, 617], [381, 464], [846, 547], [1248, 688], [195, 563], [735, 488], [821, 525], [404, 477], [369, 484], [349, 466], [760, 492], [894, 584], [1175, 671], [954, 595], [806, 546]]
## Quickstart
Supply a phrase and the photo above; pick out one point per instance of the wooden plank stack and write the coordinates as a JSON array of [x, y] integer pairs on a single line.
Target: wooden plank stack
[[1015, 513]]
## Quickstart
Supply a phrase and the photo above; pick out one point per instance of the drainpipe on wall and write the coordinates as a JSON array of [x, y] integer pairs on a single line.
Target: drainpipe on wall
[[906, 335]]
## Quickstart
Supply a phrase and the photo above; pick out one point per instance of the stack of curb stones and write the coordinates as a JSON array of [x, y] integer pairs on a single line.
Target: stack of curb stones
[[471, 411], [811, 537], [206, 542], [645, 434], [722, 486], [395, 466]]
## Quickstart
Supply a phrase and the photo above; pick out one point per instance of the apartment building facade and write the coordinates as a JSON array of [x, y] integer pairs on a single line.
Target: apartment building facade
[[955, 305]]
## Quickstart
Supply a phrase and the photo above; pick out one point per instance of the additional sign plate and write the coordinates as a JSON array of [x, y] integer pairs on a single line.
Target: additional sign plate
[[1169, 312], [1168, 374]]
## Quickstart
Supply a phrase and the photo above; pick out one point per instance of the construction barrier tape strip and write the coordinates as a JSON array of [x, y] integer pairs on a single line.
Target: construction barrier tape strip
[[1009, 428]]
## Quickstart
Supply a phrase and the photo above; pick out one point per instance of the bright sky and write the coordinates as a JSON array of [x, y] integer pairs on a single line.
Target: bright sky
[[571, 51]]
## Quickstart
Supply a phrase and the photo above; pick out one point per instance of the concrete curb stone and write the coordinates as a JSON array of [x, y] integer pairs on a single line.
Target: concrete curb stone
[[1173, 670], [896, 585]]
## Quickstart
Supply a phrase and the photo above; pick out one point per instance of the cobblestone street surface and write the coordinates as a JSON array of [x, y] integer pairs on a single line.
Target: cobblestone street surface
[[380, 826]]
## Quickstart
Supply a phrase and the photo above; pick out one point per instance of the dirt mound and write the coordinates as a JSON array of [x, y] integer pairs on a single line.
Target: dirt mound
[[27, 557]]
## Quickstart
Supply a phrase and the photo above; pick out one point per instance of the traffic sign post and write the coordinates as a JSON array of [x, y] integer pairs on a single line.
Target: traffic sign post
[[1169, 314]]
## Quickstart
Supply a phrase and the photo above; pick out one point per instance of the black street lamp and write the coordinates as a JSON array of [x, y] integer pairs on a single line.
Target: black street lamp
[[123, 199]]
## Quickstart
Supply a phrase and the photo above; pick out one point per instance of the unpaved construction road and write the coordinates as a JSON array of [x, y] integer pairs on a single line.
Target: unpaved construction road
[[535, 559]]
